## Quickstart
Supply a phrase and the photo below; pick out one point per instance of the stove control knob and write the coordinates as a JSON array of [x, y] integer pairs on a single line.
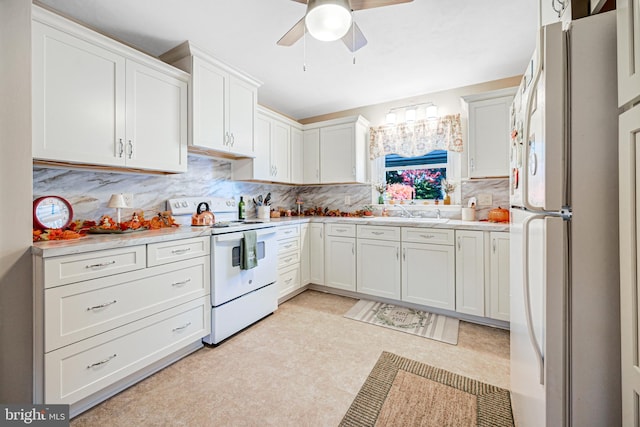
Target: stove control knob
[[176, 205], [185, 204]]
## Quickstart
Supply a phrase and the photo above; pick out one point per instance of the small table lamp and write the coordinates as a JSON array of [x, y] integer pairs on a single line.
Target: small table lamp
[[117, 201]]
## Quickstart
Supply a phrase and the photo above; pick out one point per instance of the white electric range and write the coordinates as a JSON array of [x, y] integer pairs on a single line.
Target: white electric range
[[239, 297]]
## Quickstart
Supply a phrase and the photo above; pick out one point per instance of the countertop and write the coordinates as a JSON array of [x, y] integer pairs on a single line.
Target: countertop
[[96, 242]]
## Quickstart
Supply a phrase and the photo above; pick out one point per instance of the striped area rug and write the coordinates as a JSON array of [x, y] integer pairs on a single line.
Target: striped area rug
[[409, 320]]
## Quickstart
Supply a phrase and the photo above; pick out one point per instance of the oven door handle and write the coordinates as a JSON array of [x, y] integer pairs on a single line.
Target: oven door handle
[[238, 235]]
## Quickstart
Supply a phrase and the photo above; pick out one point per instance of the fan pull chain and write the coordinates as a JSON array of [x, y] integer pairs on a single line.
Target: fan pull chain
[[304, 49], [353, 35]]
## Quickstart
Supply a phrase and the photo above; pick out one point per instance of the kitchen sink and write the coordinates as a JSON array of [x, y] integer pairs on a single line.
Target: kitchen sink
[[405, 219]]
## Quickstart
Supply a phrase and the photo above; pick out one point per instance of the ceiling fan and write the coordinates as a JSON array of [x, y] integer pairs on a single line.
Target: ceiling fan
[[329, 20]]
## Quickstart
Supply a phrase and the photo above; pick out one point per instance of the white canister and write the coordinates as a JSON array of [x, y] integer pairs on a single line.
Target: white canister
[[468, 214], [263, 212]]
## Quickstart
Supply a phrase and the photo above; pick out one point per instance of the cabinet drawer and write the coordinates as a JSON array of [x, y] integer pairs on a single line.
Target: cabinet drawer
[[288, 245], [344, 230], [81, 310], [175, 250], [289, 259], [427, 235], [379, 232], [78, 370], [288, 280], [288, 231], [91, 265]]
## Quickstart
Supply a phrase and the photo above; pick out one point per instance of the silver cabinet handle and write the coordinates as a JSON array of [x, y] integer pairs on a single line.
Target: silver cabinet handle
[[353, 171], [179, 328], [459, 243], [288, 280], [130, 144], [226, 138], [427, 236], [494, 246], [377, 233], [102, 362], [288, 231], [404, 254], [353, 249], [97, 307], [341, 230], [101, 265], [233, 139], [288, 259], [397, 253], [180, 251], [288, 246], [473, 164], [179, 284], [121, 151]]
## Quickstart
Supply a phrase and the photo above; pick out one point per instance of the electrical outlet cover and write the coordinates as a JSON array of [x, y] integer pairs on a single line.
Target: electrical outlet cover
[[485, 199], [128, 198], [347, 200]]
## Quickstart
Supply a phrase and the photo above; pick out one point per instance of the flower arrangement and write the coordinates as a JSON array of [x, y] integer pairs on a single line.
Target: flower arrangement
[[400, 191], [448, 186]]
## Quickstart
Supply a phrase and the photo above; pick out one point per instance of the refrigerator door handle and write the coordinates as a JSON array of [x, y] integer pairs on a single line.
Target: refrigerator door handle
[[527, 301]]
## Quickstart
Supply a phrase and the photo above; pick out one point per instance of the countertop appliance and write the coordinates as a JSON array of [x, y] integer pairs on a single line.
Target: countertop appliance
[[239, 297], [564, 275]]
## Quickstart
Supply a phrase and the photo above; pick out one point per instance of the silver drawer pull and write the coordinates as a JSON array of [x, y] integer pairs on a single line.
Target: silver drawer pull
[[288, 259], [288, 231], [180, 251], [179, 328], [427, 236], [377, 233], [288, 280], [97, 307], [289, 245], [102, 362], [101, 265], [341, 230], [184, 282]]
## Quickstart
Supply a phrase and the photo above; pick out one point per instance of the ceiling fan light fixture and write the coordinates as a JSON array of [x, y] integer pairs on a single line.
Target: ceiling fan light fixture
[[328, 20]]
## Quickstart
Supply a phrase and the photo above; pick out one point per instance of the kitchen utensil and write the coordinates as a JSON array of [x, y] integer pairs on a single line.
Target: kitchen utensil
[[203, 217], [260, 200], [267, 200], [498, 215]]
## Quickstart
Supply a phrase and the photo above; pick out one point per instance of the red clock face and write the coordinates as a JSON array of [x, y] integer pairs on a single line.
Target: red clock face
[[51, 212]]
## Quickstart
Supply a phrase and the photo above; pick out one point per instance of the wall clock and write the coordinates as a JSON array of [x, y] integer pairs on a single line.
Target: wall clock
[[51, 212]]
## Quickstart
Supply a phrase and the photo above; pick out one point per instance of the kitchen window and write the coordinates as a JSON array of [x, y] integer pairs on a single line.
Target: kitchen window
[[422, 174]]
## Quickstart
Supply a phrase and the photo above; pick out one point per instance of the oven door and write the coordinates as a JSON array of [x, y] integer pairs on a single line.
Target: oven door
[[228, 280]]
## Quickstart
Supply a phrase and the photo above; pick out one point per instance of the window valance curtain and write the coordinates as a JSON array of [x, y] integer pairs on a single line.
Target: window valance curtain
[[418, 138]]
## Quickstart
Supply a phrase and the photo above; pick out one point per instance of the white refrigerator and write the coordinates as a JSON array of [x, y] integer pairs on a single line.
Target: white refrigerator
[[564, 275]]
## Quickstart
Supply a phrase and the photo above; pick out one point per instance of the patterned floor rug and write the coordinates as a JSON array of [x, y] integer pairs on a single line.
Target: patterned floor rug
[[416, 322], [403, 392]]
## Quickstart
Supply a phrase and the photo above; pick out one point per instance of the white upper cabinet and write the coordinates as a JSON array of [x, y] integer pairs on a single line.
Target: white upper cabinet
[[311, 156], [272, 161], [223, 103], [98, 102], [488, 141], [297, 156], [628, 20], [343, 150]]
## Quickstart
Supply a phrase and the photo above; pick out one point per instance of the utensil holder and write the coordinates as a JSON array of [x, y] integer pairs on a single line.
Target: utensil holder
[[468, 214], [263, 212]]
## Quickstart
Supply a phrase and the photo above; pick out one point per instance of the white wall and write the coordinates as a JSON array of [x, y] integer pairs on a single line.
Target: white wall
[[15, 192]]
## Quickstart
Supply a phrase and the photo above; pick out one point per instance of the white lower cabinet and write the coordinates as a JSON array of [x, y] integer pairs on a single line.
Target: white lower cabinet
[[316, 253], [428, 275], [288, 238], [378, 261], [104, 318], [470, 272], [499, 284], [340, 256]]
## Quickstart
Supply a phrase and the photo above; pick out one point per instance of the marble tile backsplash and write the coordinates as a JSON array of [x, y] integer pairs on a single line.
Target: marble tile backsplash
[[89, 191]]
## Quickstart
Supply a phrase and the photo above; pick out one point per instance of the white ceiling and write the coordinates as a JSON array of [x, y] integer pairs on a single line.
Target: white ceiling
[[414, 48]]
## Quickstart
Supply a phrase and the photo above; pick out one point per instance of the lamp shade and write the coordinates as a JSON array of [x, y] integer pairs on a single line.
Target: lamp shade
[[328, 20], [117, 201]]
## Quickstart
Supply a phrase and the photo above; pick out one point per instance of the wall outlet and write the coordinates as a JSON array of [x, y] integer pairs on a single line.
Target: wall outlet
[[485, 199], [128, 198], [347, 200]]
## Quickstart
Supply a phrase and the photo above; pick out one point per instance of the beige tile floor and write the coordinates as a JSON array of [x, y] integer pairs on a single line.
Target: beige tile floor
[[301, 366]]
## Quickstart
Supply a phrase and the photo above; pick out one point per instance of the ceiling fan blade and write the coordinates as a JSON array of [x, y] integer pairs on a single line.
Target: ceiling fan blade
[[301, 1], [370, 4], [293, 35], [348, 38]]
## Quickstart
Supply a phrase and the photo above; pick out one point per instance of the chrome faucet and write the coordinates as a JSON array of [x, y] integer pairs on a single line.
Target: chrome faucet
[[438, 213], [405, 211]]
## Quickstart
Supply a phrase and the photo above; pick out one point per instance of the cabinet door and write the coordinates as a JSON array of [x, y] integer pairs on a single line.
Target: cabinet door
[[311, 156], [340, 262], [628, 19], [208, 105], [499, 287], [296, 162], [280, 151], [262, 163], [242, 111], [428, 275], [78, 100], [156, 120], [316, 253], [337, 161], [305, 253], [378, 268], [489, 137], [470, 272]]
